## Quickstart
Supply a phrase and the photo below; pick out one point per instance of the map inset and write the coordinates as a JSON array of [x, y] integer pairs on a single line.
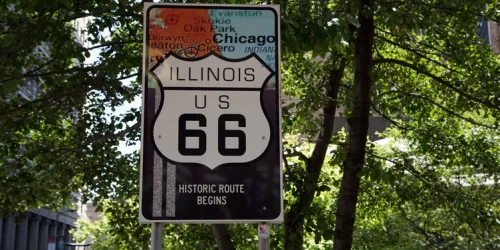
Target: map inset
[[193, 33]]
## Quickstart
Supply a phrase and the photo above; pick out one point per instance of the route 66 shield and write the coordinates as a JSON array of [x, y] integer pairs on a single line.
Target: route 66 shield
[[211, 110]]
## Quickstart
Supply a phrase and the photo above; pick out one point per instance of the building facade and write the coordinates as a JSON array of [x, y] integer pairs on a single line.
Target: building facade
[[37, 229], [42, 229]]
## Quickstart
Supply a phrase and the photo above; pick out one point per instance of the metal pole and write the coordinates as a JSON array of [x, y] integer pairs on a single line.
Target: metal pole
[[264, 236], [264, 244], [156, 236]]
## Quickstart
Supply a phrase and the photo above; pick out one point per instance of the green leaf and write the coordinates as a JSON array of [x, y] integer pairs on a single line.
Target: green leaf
[[352, 20]]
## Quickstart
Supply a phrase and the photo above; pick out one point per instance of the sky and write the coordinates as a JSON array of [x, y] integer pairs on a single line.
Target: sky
[[136, 103]]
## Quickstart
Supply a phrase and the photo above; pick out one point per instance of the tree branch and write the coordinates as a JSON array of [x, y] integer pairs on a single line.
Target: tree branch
[[46, 99], [58, 72], [441, 52], [119, 135], [127, 76], [287, 166], [379, 112], [347, 198], [415, 52], [452, 10], [422, 230], [41, 66], [451, 112], [294, 219], [222, 237], [113, 43], [33, 70], [390, 119], [436, 78], [437, 190], [301, 156]]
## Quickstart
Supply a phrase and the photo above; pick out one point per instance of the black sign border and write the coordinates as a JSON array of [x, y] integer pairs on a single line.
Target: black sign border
[[145, 82]]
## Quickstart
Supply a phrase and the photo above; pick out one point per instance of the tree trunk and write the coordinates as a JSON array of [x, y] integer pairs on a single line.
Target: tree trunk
[[348, 194], [222, 237], [294, 219]]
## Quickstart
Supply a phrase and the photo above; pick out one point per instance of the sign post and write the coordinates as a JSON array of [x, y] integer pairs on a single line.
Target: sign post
[[156, 236], [263, 235], [211, 115]]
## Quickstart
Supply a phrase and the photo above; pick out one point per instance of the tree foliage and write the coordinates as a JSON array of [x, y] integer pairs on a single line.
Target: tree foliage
[[435, 82], [60, 139]]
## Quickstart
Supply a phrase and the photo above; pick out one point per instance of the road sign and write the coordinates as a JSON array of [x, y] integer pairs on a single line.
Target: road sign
[[263, 231], [211, 117]]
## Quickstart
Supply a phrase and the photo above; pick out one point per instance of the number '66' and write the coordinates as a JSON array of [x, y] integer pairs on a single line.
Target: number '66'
[[223, 133]]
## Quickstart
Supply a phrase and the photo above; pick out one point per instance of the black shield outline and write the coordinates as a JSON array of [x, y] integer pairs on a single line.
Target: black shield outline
[[149, 131]]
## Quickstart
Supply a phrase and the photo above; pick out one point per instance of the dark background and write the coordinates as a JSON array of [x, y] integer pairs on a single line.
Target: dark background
[[261, 178]]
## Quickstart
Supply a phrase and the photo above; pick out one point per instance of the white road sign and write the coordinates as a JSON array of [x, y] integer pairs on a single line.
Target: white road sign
[[218, 106]]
